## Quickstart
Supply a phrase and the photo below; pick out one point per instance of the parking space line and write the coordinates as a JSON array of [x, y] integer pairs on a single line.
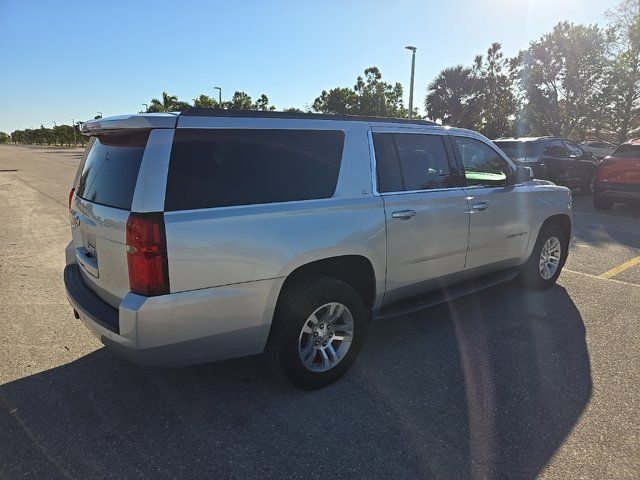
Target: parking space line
[[599, 277], [621, 268]]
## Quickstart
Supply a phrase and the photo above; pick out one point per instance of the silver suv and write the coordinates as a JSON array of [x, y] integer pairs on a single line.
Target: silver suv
[[211, 234]]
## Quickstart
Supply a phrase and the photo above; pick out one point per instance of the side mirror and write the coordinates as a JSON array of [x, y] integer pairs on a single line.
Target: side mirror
[[523, 174]]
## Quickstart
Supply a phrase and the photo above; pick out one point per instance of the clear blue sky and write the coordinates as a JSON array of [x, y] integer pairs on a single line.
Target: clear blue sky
[[68, 59]]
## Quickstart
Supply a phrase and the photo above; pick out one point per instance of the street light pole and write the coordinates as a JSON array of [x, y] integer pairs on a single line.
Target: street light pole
[[146, 106], [100, 113], [219, 96], [413, 69], [73, 126]]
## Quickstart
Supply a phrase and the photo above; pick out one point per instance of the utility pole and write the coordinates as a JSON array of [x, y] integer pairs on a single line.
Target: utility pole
[[413, 69], [219, 96]]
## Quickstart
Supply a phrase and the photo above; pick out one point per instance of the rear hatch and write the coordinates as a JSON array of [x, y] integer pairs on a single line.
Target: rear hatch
[[622, 167], [100, 206]]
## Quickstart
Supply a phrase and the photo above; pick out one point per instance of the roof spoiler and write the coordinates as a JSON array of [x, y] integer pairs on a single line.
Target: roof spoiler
[[130, 122]]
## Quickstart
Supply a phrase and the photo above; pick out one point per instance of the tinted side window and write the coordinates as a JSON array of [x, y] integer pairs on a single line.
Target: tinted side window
[[219, 168], [410, 161], [482, 164], [574, 150], [110, 172], [556, 148]]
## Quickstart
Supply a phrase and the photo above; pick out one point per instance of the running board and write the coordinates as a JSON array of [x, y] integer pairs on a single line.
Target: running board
[[436, 297]]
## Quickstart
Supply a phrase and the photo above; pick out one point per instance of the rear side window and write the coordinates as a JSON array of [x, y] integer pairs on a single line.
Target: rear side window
[[110, 172], [220, 168], [627, 151], [518, 149], [411, 161]]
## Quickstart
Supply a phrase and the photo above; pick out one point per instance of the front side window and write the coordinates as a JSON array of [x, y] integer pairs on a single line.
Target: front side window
[[556, 148], [574, 150], [220, 168], [411, 161], [482, 164]]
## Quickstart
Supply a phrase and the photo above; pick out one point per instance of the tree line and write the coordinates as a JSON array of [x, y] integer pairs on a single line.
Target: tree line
[[576, 81]]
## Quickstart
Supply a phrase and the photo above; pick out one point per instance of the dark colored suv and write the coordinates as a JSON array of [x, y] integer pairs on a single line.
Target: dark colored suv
[[553, 158]]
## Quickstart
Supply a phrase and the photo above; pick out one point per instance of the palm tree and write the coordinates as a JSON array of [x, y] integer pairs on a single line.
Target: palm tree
[[167, 104]]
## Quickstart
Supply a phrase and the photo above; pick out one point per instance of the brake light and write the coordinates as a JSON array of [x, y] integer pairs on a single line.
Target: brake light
[[147, 254], [73, 190]]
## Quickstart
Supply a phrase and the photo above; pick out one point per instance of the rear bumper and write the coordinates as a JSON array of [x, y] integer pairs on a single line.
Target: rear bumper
[[180, 328], [618, 192]]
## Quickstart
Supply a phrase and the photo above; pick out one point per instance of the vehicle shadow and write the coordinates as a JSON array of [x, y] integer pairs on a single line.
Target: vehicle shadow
[[484, 387]]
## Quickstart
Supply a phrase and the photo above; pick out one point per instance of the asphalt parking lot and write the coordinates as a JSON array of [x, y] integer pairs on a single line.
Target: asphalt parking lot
[[507, 383]]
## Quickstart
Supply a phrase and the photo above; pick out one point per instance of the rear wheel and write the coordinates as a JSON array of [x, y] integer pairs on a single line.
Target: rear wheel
[[547, 258], [317, 332], [601, 204]]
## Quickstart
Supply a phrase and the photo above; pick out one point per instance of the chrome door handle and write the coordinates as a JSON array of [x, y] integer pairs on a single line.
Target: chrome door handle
[[480, 206], [404, 214]]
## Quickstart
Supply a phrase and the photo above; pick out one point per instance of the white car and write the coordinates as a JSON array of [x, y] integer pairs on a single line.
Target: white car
[[598, 148]]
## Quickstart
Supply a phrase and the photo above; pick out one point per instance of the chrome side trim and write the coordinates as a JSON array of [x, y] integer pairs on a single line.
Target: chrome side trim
[[143, 121]]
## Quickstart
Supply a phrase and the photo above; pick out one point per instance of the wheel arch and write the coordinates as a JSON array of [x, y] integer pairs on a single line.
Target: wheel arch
[[355, 270]]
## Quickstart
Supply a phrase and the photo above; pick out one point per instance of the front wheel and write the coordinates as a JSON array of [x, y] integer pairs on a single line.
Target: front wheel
[[317, 332], [600, 203], [547, 258]]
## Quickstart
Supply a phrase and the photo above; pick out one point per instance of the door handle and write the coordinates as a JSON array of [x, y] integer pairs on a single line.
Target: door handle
[[404, 214], [480, 206]]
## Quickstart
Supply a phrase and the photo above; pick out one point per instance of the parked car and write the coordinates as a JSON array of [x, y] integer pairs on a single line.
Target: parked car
[[618, 177], [553, 158], [598, 148], [213, 234]]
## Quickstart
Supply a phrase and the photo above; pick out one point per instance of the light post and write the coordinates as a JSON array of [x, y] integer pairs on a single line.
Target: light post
[[100, 113], [146, 107], [219, 96], [73, 127], [413, 68], [55, 137]]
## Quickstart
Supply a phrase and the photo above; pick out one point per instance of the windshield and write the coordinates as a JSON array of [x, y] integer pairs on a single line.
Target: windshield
[[627, 151]]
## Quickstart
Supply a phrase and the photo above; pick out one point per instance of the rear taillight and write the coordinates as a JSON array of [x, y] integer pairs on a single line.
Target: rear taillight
[[147, 254], [73, 190]]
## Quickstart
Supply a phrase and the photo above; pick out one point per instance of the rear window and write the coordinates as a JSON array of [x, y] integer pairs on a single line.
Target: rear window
[[517, 149], [110, 172], [627, 151], [220, 168]]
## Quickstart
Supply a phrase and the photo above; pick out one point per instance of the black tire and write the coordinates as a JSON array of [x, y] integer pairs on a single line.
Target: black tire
[[530, 275], [293, 309], [600, 203], [587, 187]]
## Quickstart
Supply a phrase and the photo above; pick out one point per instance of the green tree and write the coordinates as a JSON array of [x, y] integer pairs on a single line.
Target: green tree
[[205, 101], [168, 103], [496, 96], [561, 76], [454, 97], [263, 104], [4, 137], [369, 96], [621, 96], [292, 110]]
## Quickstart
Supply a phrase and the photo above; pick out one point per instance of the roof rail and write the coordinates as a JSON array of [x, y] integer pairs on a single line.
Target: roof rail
[[217, 112]]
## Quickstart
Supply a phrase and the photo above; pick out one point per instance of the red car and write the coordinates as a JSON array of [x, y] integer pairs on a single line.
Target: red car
[[618, 177]]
